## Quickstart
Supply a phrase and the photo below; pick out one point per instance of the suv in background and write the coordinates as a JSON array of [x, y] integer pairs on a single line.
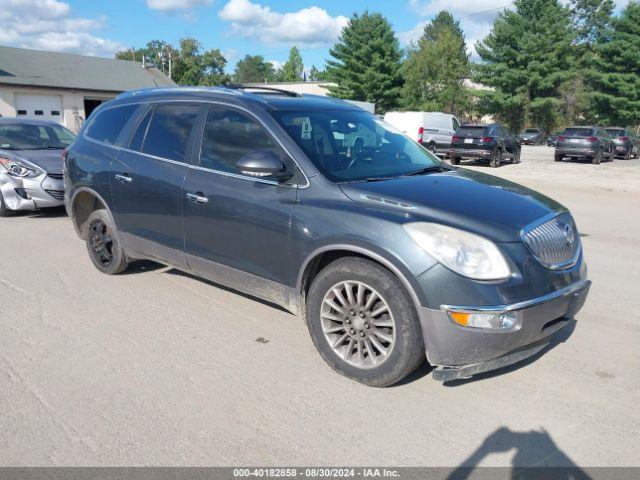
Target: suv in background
[[319, 207], [590, 142], [532, 136], [553, 138], [432, 130], [492, 143], [626, 142]]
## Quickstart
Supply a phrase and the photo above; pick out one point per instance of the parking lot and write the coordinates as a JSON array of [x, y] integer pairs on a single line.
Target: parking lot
[[157, 368]]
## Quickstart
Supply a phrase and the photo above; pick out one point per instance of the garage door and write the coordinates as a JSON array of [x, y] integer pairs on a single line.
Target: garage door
[[45, 107]]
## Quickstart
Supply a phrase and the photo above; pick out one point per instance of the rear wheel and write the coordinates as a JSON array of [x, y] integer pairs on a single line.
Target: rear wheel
[[516, 156], [597, 158], [103, 245], [496, 158], [628, 154], [558, 157], [4, 210], [432, 147], [363, 322], [455, 160]]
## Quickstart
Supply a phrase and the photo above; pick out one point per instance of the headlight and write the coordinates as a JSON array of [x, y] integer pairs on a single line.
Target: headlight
[[17, 169], [465, 253]]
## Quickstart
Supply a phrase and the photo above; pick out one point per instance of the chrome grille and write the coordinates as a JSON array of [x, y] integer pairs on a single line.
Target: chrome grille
[[555, 243]]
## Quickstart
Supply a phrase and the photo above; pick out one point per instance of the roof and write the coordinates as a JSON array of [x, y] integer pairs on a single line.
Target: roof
[[36, 68], [239, 96], [26, 121]]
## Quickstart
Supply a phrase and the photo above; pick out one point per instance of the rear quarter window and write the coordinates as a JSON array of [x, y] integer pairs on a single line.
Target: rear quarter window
[[108, 124]]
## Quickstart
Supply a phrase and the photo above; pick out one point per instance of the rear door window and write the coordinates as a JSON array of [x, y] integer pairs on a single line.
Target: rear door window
[[229, 135], [169, 131], [109, 123]]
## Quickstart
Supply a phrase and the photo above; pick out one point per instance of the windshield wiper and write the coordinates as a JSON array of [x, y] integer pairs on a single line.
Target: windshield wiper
[[429, 169]]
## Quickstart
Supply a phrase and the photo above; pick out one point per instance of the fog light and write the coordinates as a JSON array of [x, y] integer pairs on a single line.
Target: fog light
[[22, 193], [491, 320]]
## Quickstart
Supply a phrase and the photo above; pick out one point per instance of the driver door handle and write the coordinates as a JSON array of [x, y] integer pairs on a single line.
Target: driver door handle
[[197, 197], [123, 178]]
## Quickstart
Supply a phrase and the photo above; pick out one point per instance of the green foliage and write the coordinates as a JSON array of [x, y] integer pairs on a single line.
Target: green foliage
[[617, 76], [592, 20], [292, 70], [316, 75], [526, 58], [190, 65], [365, 62], [254, 69], [436, 67]]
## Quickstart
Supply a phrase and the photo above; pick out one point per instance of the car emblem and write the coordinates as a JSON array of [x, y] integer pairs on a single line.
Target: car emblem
[[569, 235]]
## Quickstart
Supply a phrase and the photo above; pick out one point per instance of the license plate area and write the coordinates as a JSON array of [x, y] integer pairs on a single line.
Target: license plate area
[[468, 140]]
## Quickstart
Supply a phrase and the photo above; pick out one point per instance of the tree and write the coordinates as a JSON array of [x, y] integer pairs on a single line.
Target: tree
[[592, 20], [316, 75], [365, 62], [292, 69], [617, 79], [253, 69], [526, 58], [436, 67]]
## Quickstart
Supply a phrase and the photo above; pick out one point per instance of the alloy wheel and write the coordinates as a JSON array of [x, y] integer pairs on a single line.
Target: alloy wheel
[[101, 241], [358, 324]]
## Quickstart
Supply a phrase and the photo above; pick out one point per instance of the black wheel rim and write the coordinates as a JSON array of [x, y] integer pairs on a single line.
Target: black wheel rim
[[102, 243]]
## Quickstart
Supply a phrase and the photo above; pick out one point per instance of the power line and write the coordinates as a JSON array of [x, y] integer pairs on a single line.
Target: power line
[[322, 47]]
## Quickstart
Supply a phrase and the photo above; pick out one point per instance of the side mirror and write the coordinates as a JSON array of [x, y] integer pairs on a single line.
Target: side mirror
[[263, 164]]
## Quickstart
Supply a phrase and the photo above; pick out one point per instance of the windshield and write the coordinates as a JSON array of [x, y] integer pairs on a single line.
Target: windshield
[[578, 132], [25, 136], [616, 132], [354, 145]]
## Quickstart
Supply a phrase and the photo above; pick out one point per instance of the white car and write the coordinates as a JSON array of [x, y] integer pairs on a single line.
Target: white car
[[433, 130]]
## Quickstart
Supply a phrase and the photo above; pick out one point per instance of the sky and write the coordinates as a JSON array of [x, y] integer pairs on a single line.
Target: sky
[[236, 27]]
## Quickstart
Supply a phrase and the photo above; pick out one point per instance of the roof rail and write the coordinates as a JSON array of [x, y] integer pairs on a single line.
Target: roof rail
[[142, 91], [264, 90]]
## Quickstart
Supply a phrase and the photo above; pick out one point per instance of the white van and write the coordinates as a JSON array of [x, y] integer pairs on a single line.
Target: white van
[[431, 129]]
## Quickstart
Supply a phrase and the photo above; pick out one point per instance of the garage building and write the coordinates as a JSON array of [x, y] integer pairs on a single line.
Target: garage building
[[64, 87]]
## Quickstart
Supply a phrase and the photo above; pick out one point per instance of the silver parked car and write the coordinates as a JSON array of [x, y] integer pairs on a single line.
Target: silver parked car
[[31, 164]]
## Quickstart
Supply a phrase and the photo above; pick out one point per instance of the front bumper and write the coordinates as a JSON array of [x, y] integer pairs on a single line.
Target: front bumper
[[467, 351], [31, 193]]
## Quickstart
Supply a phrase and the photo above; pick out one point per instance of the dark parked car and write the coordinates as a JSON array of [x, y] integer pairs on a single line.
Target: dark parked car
[[31, 164], [388, 253], [553, 138], [492, 143], [626, 142], [593, 143], [532, 136]]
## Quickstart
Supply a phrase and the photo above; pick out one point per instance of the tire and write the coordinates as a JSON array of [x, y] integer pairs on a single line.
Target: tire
[[557, 157], [628, 155], [597, 158], [4, 210], [516, 157], [349, 334], [432, 148], [496, 158], [103, 244], [455, 160]]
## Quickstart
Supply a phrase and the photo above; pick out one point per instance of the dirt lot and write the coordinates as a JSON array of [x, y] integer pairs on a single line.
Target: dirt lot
[[157, 368]]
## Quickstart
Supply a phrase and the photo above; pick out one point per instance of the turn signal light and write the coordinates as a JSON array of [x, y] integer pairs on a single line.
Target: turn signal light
[[488, 320]]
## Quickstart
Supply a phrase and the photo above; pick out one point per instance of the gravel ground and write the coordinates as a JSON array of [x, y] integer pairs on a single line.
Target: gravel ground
[[158, 368]]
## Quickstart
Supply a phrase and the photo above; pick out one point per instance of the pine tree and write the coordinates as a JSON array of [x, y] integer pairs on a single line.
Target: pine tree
[[366, 62], [292, 69], [526, 58], [436, 67], [617, 98], [253, 69]]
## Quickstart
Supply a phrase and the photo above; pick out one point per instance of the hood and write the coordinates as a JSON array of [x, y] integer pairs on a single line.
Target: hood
[[490, 206], [48, 160]]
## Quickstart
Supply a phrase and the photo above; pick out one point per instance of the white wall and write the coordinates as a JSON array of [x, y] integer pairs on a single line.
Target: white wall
[[72, 102]]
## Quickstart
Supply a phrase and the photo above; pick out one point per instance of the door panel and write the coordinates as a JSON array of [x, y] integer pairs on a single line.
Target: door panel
[[236, 227], [147, 189]]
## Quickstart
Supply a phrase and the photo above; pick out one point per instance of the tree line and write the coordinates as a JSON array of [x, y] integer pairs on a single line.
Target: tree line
[[543, 64]]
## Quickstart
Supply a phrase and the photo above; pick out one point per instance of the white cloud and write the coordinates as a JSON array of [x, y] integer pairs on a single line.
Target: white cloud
[[176, 4], [310, 26], [47, 25]]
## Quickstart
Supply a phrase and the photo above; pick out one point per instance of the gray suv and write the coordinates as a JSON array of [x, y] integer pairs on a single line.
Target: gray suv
[[389, 254]]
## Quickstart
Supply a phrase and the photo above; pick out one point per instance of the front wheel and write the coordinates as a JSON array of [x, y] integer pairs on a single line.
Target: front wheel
[[363, 322], [4, 210], [103, 245]]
